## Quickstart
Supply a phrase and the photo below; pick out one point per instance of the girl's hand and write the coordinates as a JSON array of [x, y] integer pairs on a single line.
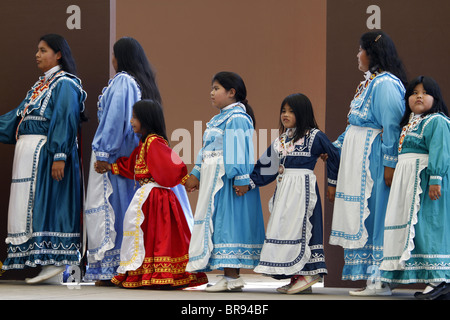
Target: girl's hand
[[331, 193], [58, 170], [435, 192], [388, 175], [192, 183], [240, 190], [102, 167]]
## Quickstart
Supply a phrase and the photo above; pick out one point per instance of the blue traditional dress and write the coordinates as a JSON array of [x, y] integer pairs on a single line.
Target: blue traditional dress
[[108, 195], [368, 144], [417, 231], [294, 236], [228, 230], [44, 214]]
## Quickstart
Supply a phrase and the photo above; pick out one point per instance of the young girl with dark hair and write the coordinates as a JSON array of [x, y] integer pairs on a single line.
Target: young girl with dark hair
[[368, 158], [229, 230], [108, 196], [417, 230], [154, 249], [46, 194], [294, 238]]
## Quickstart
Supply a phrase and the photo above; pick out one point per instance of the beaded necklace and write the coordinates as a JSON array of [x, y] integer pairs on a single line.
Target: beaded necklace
[[414, 121]]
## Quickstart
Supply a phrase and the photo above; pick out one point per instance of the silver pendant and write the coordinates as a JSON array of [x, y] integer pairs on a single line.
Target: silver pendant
[[281, 169]]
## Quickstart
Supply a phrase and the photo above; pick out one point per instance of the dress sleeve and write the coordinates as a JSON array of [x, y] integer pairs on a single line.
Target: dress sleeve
[[238, 150], [164, 164], [388, 108], [266, 168], [125, 165], [67, 99], [437, 136], [114, 126], [323, 145], [8, 127]]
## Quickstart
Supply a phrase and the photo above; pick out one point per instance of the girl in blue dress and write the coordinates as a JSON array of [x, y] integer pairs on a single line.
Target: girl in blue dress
[[294, 238], [417, 230], [368, 158], [228, 229], [46, 194]]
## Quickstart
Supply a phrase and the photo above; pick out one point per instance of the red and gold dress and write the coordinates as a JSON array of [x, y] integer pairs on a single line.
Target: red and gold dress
[[156, 236]]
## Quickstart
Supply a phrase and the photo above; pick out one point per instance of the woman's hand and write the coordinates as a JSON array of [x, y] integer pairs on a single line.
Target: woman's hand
[[388, 175], [435, 192], [331, 193], [240, 190], [58, 170], [102, 167], [192, 183]]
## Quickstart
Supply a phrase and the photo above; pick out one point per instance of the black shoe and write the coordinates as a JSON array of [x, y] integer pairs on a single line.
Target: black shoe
[[441, 290]]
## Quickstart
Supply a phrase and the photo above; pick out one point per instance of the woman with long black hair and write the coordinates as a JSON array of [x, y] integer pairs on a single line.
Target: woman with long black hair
[[368, 159], [45, 200], [108, 196]]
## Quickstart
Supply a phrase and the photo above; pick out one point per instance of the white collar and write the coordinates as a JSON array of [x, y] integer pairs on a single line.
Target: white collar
[[50, 72], [235, 104]]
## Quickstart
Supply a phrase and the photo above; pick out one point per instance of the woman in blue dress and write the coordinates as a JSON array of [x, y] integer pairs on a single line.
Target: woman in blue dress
[[228, 231], [45, 200], [108, 196], [416, 236], [368, 158], [294, 238]]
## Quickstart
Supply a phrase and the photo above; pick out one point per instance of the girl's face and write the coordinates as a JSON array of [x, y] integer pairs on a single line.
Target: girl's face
[[420, 101], [363, 60], [220, 98], [46, 58], [288, 117], [136, 125]]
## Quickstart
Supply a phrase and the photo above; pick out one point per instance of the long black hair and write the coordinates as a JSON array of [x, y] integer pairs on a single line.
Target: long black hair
[[304, 114], [432, 88], [67, 62], [58, 44], [383, 54], [231, 80], [131, 58], [151, 116]]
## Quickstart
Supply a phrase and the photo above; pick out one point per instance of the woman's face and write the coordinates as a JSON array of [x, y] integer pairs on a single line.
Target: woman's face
[[420, 102], [46, 58], [363, 60]]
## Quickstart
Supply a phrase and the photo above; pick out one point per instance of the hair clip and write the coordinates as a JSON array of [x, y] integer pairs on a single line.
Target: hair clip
[[378, 38]]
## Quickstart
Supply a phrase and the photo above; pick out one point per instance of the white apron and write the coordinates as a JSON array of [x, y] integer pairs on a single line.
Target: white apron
[[23, 186], [99, 215], [201, 245], [354, 187], [132, 251], [286, 248], [402, 209]]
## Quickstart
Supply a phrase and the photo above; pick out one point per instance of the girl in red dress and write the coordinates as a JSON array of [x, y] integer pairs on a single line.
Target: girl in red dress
[[155, 245]]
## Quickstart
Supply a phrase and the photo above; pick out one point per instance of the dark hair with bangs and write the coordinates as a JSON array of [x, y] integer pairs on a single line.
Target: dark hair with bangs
[[131, 58], [432, 88], [383, 54], [151, 116], [304, 114]]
